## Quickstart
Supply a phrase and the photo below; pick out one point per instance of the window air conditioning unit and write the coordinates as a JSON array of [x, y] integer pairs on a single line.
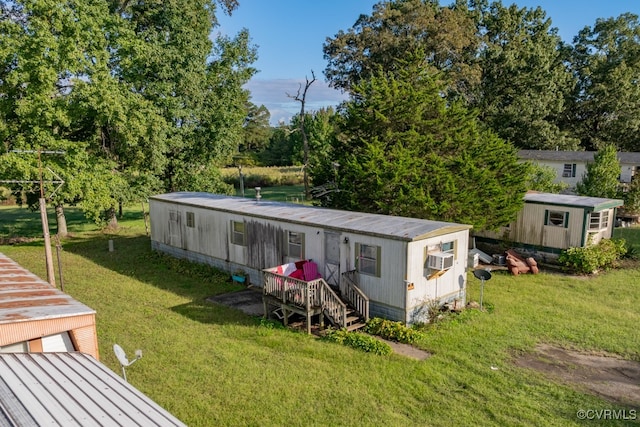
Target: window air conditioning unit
[[440, 261]]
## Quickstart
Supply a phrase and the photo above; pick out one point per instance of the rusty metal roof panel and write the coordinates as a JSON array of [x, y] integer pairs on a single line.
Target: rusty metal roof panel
[[26, 297], [396, 227], [71, 389]]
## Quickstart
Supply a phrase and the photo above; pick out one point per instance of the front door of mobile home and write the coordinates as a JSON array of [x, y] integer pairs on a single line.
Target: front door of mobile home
[[332, 258]]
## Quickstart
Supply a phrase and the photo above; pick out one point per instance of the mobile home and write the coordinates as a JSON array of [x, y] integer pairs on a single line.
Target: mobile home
[[400, 264], [549, 223]]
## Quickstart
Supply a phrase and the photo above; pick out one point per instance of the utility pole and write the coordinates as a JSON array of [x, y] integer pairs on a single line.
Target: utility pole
[[51, 278]]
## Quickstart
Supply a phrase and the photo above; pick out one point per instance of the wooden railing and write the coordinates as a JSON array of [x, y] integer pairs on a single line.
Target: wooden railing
[[332, 306], [307, 295], [353, 294], [292, 291]]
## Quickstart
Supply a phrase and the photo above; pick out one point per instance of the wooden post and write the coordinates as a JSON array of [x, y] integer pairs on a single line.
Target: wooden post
[[58, 249]]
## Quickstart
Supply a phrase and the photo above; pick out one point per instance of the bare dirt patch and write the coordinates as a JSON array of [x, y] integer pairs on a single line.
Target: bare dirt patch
[[609, 377]]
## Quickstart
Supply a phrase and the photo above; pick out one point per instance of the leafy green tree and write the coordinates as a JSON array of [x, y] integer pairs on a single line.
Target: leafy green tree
[[602, 176], [632, 197], [405, 150], [606, 61], [135, 93], [525, 80], [256, 128], [196, 86], [445, 35], [46, 52], [542, 178]]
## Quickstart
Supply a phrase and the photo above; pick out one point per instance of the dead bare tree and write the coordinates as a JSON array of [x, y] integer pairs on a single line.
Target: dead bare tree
[[302, 98]]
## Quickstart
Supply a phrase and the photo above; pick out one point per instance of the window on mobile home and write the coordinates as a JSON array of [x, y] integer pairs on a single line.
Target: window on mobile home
[[191, 220], [569, 170], [295, 244], [556, 218], [368, 259], [238, 236], [598, 220]]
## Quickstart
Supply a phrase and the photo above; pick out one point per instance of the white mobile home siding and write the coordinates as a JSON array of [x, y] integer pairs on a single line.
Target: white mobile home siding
[[197, 226], [533, 228]]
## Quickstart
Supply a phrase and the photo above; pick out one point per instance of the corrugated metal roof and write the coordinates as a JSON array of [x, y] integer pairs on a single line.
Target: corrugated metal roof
[[396, 227], [575, 156], [596, 203], [25, 297], [71, 389]]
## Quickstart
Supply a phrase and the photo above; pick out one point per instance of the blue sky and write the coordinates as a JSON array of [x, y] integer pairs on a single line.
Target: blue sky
[[289, 35]]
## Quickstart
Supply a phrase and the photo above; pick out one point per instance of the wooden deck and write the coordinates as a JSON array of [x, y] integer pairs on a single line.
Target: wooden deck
[[315, 297]]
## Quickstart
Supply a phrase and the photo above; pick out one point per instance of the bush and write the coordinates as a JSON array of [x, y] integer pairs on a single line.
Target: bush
[[394, 331], [358, 340], [592, 258]]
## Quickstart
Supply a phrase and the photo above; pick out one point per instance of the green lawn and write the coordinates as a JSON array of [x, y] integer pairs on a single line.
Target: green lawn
[[210, 365]]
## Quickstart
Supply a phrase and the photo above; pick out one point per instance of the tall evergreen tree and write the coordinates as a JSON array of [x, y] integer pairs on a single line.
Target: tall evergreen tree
[[405, 150], [602, 176]]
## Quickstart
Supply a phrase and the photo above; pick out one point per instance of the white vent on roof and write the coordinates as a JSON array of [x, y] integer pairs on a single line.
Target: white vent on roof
[[440, 261]]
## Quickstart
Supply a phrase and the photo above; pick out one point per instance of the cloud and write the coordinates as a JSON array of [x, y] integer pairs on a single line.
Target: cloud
[[272, 93]]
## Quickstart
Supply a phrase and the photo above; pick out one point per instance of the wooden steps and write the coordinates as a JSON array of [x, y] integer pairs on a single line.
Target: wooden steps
[[354, 321]]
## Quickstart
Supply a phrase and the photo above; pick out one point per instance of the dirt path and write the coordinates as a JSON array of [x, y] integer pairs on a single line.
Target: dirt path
[[611, 378]]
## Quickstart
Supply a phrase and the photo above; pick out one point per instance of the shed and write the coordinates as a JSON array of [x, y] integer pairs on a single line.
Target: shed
[[71, 389], [399, 263], [549, 223], [37, 317]]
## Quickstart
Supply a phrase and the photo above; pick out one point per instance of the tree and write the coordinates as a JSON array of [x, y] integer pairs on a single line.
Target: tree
[[256, 128], [542, 178], [606, 61], [403, 149], [195, 85], [46, 52], [525, 80], [445, 35], [632, 197], [135, 93], [301, 97], [601, 177]]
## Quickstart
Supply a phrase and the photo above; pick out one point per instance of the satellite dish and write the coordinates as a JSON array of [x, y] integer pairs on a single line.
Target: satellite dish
[[120, 354], [482, 274], [122, 358]]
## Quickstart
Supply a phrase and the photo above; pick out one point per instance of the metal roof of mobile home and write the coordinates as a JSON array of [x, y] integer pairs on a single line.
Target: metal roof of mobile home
[[25, 297], [71, 389], [596, 203], [396, 227]]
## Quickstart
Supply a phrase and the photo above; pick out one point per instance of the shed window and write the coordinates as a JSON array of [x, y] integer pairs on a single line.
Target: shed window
[[368, 259], [569, 170], [295, 244], [191, 220], [556, 218], [598, 220], [238, 236]]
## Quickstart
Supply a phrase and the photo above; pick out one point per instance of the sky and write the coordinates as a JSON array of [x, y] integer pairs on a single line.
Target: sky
[[289, 35]]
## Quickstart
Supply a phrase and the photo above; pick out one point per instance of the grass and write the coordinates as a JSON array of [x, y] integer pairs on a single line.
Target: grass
[[212, 365]]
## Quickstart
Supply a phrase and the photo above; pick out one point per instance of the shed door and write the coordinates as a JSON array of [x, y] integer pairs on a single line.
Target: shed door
[[332, 258]]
